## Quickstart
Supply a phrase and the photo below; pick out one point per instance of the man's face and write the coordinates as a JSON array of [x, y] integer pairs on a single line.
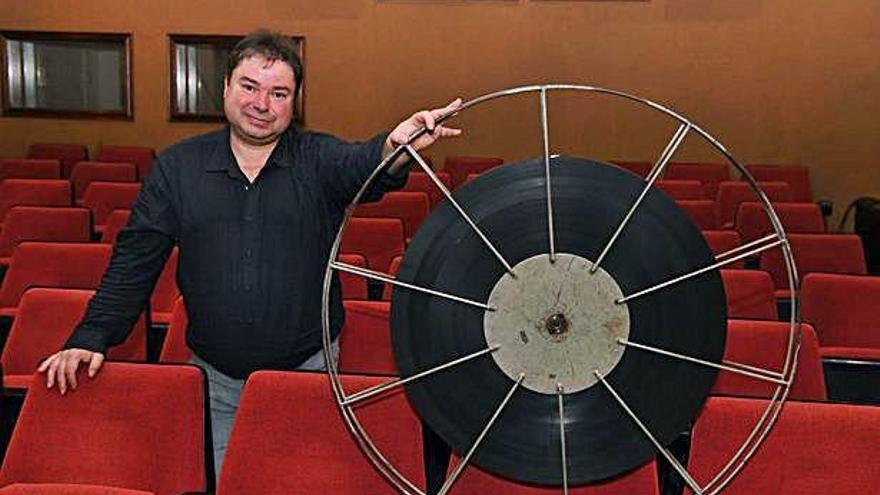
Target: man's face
[[258, 99]]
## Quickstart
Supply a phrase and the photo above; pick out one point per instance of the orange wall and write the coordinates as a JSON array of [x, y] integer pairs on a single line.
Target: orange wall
[[782, 81]]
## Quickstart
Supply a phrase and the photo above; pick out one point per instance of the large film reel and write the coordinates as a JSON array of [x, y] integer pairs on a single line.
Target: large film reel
[[541, 324]]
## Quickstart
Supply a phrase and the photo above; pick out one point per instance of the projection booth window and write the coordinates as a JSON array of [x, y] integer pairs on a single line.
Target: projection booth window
[[198, 66], [53, 74]]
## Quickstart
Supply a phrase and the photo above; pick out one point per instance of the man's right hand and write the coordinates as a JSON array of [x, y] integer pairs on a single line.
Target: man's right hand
[[61, 367]]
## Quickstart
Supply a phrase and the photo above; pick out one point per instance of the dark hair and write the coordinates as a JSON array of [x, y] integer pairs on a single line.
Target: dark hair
[[270, 45]]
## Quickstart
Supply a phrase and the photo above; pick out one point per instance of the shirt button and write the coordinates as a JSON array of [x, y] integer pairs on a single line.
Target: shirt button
[[247, 187], [247, 288], [247, 253]]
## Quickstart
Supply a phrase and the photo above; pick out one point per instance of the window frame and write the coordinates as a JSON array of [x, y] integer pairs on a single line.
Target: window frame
[[225, 39], [126, 73]]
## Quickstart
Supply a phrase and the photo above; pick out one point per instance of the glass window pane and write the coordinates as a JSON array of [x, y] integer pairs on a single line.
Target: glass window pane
[[66, 74]]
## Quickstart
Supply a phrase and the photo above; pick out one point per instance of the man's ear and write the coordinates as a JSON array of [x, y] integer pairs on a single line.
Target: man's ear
[[225, 86]]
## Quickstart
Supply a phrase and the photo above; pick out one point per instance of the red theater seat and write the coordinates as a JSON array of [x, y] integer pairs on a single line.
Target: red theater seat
[[709, 174], [813, 449], [66, 489], [828, 253], [365, 343], [732, 193], [353, 286], [764, 344], [752, 221], [722, 241], [174, 348], [379, 240], [272, 429], [85, 173], [33, 192], [750, 294], [29, 168], [104, 197], [410, 207], [392, 270], [142, 157], [681, 189], [132, 426], [52, 264], [797, 178], [459, 167], [703, 212], [68, 154], [45, 320], [37, 223], [642, 169], [115, 221], [165, 291], [843, 310], [421, 182]]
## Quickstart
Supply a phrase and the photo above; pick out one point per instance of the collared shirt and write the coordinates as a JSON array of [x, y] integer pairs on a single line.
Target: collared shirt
[[252, 255]]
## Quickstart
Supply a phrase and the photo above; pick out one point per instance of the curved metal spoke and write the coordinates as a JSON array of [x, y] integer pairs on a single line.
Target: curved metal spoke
[[453, 477], [384, 277], [733, 367], [545, 131], [385, 387], [656, 170], [669, 457], [701, 271], [437, 182], [560, 392]]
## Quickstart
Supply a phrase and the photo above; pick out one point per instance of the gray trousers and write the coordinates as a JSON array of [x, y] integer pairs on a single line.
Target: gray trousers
[[224, 393]]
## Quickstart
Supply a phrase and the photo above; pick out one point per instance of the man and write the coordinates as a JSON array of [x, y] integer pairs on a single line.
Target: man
[[254, 209]]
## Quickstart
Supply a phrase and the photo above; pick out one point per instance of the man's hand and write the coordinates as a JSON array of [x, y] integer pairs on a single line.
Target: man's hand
[[61, 367], [425, 118]]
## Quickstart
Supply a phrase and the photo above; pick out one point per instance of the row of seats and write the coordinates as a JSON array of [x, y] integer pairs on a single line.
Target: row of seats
[[70, 154], [102, 442]]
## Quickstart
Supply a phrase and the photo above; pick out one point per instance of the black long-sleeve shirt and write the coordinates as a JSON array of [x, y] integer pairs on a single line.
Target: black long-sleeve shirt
[[252, 255]]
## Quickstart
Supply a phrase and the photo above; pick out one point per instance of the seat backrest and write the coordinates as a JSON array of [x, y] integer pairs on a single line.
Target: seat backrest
[[29, 168], [710, 174], [842, 308], [682, 189], [640, 168], [749, 294], [165, 291], [459, 167], [273, 431], [174, 348], [813, 449], [69, 154], [46, 319], [752, 222], [33, 192], [420, 182], [133, 426], [642, 481], [115, 221], [722, 241], [52, 264], [797, 178], [104, 197], [85, 173], [763, 344], [39, 223], [732, 193], [379, 240], [141, 156], [392, 270], [365, 342], [353, 286], [703, 212], [410, 207], [829, 253]]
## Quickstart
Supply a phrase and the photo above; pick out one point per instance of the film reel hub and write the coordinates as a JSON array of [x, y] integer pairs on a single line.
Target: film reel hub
[[556, 323]]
